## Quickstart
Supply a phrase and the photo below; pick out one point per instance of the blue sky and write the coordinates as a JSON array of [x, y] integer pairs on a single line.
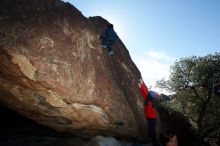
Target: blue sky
[[159, 32]]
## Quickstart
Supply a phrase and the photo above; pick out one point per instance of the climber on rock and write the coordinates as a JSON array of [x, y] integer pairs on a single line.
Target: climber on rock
[[108, 38], [150, 111]]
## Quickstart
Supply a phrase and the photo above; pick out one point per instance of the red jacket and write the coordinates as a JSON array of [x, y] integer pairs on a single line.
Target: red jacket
[[149, 109]]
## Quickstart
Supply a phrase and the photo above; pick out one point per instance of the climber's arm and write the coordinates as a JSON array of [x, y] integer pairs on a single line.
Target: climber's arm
[[143, 89]]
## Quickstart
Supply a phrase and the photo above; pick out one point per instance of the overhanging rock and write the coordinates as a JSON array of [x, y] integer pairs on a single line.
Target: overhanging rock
[[54, 71]]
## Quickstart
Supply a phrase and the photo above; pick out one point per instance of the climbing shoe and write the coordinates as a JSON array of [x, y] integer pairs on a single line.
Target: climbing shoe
[[104, 46], [110, 53]]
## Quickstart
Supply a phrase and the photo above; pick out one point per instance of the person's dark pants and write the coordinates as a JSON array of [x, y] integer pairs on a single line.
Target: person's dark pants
[[108, 43], [152, 131]]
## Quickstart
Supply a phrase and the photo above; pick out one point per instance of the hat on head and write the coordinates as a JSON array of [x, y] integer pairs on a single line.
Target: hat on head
[[153, 94]]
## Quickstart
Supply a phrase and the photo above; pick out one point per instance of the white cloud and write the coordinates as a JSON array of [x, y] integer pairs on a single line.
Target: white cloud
[[159, 55], [153, 67]]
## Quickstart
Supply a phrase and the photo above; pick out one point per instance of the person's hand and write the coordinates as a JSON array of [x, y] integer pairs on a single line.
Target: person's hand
[[141, 81]]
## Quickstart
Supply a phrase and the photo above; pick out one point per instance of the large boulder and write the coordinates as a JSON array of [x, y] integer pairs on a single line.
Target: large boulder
[[53, 70]]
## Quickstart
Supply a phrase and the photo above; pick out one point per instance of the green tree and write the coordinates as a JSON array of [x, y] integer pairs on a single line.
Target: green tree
[[192, 79]]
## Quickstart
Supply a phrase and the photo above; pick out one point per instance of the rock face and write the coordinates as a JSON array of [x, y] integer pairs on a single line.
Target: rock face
[[54, 71]]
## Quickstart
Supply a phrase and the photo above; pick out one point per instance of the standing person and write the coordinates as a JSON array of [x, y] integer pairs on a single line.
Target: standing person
[[150, 111], [108, 38], [168, 138]]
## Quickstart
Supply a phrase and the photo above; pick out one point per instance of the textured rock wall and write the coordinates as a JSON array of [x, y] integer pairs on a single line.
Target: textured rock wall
[[54, 71]]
